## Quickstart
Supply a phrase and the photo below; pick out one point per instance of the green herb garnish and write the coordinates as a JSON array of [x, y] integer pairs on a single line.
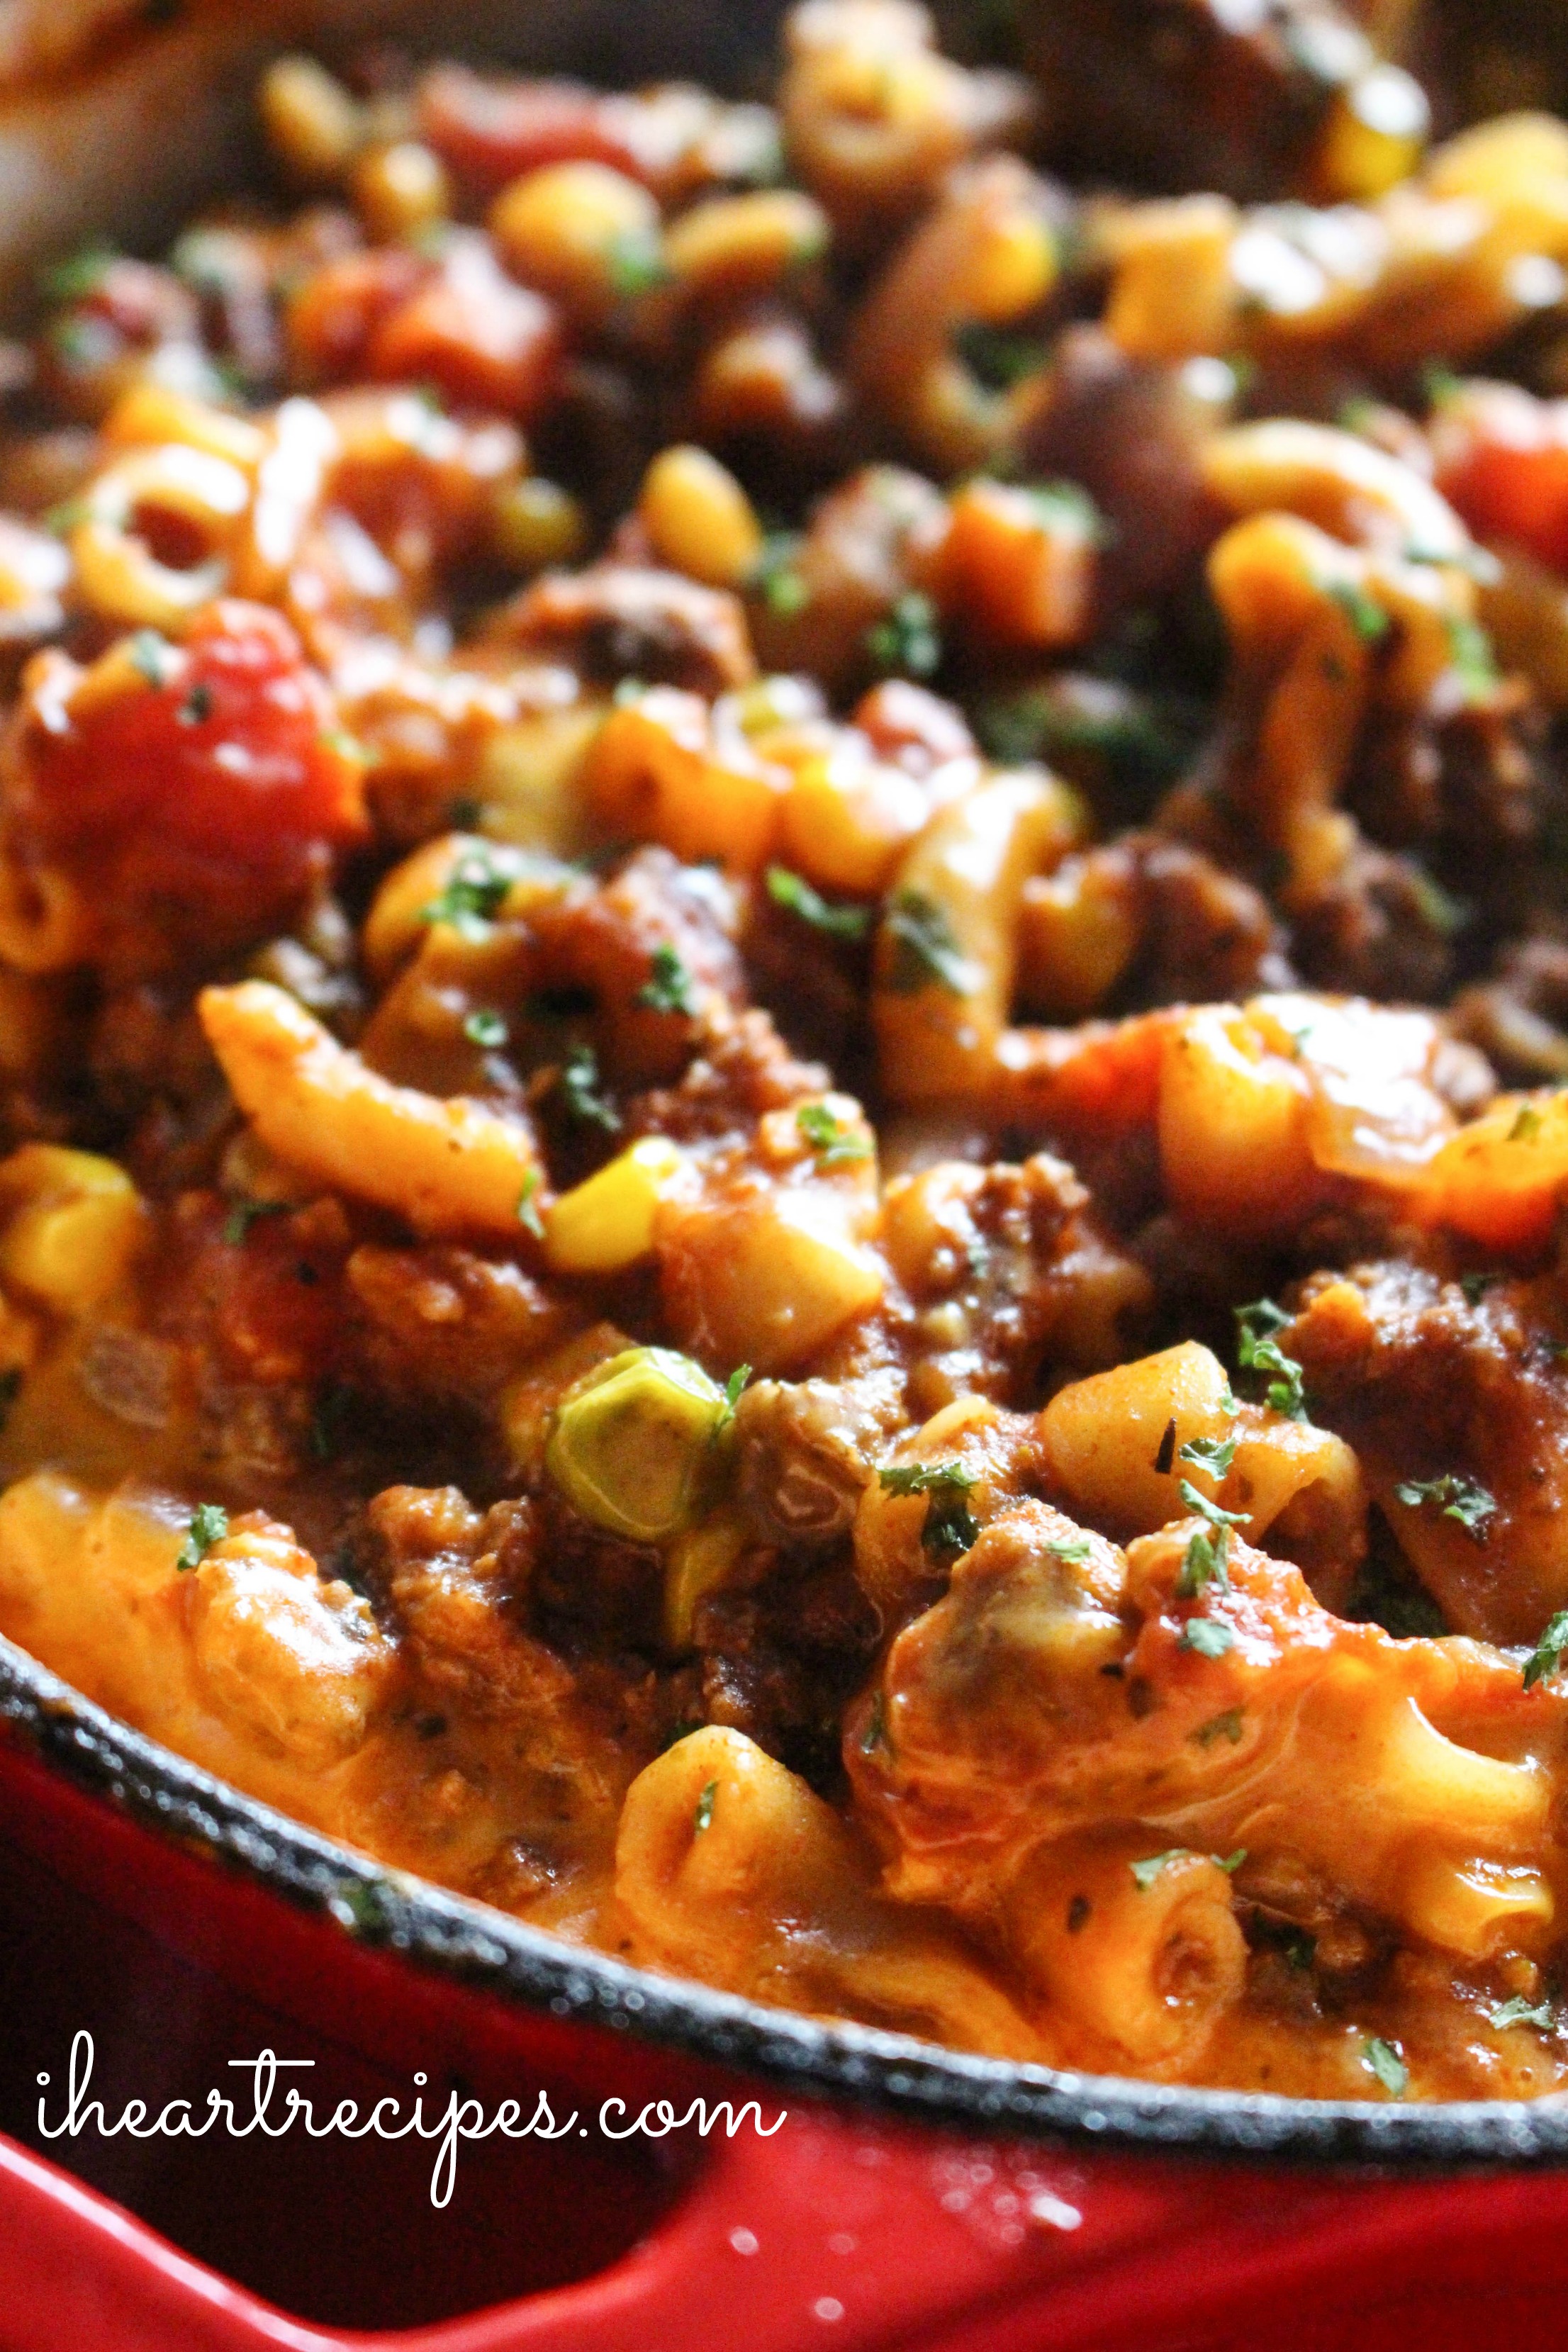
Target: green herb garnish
[[668, 989], [925, 952], [949, 1526], [483, 1027], [1547, 1654], [209, 1525], [528, 1215], [1215, 1454], [579, 1084], [1256, 1351], [906, 643], [243, 1215], [1459, 1498], [1208, 1636], [1388, 2064], [793, 892], [704, 1812], [473, 896], [835, 1144]]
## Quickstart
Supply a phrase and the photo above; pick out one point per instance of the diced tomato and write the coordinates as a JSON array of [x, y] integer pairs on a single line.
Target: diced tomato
[[482, 339], [225, 786], [338, 307], [489, 132], [1502, 461]]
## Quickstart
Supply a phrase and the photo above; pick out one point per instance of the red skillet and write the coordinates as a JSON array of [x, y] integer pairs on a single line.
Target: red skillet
[[911, 2197]]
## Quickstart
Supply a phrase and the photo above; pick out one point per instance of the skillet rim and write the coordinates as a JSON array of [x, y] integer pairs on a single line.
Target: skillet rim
[[916, 2081]]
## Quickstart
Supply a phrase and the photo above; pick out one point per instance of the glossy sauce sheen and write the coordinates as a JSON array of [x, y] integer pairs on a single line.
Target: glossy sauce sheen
[[781, 964]]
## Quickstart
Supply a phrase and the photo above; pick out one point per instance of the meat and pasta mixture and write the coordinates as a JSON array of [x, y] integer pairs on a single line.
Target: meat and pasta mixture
[[784, 1013]]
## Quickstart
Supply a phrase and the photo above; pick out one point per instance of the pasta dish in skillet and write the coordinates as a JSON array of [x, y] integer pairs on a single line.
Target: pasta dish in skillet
[[784, 1004]]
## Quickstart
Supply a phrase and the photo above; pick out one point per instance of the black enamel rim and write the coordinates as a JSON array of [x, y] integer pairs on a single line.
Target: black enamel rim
[[482, 1947]]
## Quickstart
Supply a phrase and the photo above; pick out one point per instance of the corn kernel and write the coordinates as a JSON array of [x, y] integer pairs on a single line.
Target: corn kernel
[[606, 1221], [744, 245], [312, 123], [580, 231], [699, 519], [697, 1562], [1372, 136], [401, 189], [535, 524], [73, 1226]]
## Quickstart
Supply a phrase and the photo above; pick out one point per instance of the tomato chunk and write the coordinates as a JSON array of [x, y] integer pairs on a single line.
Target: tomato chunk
[[1502, 461], [203, 785]]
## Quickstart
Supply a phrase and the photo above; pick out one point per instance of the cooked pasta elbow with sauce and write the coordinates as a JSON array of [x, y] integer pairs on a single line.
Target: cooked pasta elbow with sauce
[[784, 1008]]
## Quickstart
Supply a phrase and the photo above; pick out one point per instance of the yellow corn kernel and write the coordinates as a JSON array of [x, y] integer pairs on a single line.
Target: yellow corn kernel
[[580, 231], [535, 524], [1372, 136], [699, 519], [72, 1225], [151, 414], [606, 1221], [744, 245], [401, 189], [313, 124], [697, 1562]]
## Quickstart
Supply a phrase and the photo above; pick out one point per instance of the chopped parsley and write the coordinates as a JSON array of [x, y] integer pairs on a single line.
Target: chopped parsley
[[1520, 2011], [1067, 510], [703, 1815], [1476, 1286], [950, 1525], [473, 896], [783, 588], [1204, 1562], [528, 1215], [668, 988], [1365, 614], [1145, 1873], [925, 953], [906, 643], [875, 1735], [1471, 659], [1460, 1498], [1526, 1125], [997, 360], [1220, 1726], [1070, 1548], [793, 892], [243, 1215], [209, 1525], [79, 275], [197, 706], [1256, 1351], [1231, 1863], [483, 1027], [1208, 1636], [835, 1144], [1215, 1454], [1547, 1654], [734, 1388], [1210, 1511], [579, 1086], [1165, 1452], [152, 656], [1387, 2063], [635, 264]]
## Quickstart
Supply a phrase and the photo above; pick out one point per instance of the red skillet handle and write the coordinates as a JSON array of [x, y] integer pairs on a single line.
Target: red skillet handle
[[841, 2231]]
